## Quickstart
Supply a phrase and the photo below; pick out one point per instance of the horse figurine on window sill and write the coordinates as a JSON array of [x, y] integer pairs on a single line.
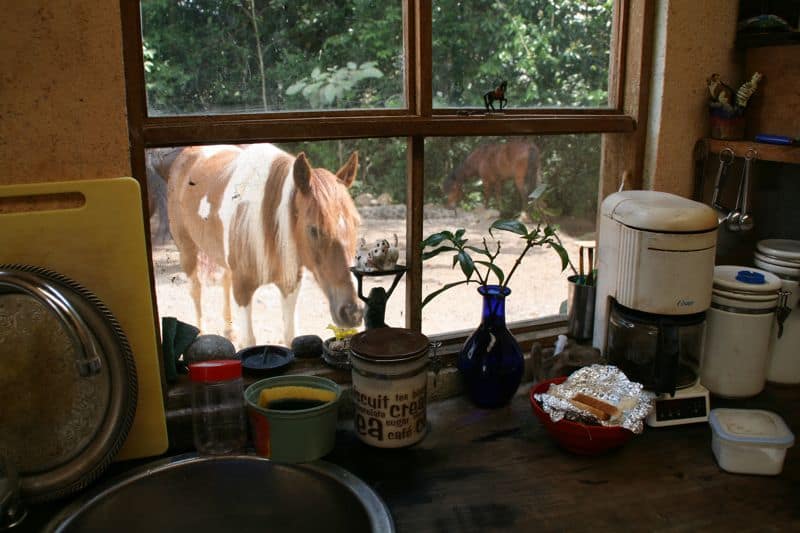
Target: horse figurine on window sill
[[497, 94]]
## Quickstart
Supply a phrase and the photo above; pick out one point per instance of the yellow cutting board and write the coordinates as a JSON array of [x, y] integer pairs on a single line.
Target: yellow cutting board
[[101, 245]]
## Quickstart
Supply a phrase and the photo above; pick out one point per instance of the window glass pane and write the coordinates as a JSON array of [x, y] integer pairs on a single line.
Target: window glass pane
[[457, 173], [220, 210], [249, 56], [552, 54]]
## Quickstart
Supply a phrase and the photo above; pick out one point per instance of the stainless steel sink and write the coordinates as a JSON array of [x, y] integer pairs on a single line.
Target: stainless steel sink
[[229, 493]]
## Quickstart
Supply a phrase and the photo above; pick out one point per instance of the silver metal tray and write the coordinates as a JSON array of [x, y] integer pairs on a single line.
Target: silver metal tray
[[67, 382], [240, 493]]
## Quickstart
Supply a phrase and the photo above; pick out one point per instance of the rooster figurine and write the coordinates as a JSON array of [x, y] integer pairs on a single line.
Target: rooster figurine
[[724, 98], [727, 107]]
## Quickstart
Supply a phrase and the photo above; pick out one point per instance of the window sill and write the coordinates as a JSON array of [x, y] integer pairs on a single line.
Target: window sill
[[202, 129], [441, 386]]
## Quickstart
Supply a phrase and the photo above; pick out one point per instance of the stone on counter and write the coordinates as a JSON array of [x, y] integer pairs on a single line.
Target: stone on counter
[[307, 346], [208, 347]]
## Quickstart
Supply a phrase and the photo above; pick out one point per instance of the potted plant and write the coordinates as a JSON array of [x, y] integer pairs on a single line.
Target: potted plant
[[491, 361]]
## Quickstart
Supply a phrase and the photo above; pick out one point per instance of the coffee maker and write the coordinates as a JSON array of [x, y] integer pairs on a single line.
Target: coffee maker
[[655, 273]]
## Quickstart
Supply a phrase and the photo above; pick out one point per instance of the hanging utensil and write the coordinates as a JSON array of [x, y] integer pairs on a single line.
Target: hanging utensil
[[746, 222], [734, 217], [726, 157]]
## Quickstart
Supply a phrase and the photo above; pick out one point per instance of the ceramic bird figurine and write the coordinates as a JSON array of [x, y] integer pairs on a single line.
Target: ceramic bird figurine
[[721, 94], [723, 97], [747, 89]]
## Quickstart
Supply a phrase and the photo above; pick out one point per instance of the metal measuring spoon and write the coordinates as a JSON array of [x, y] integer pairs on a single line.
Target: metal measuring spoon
[[746, 222], [726, 157], [734, 217]]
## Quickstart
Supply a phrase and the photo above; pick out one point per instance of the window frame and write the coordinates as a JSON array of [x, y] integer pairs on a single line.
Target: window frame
[[622, 145]]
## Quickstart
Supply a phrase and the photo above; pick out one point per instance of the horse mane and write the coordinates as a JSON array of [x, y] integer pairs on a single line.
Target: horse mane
[[332, 203]]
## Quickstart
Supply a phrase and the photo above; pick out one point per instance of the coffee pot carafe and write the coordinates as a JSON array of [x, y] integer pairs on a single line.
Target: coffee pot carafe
[[662, 352]]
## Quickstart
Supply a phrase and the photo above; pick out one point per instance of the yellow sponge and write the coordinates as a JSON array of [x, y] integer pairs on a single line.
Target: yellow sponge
[[294, 392]]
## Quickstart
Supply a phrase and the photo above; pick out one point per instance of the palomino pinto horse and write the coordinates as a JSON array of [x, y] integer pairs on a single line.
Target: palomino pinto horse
[[262, 214], [515, 160]]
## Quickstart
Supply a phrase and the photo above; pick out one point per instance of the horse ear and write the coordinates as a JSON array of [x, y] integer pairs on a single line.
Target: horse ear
[[347, 174], [302, 173]]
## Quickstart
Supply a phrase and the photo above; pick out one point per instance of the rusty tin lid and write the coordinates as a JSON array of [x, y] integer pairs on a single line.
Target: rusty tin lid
[[389, 345]]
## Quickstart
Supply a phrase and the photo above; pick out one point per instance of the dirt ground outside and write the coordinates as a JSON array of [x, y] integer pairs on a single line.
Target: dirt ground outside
[[539, 288]]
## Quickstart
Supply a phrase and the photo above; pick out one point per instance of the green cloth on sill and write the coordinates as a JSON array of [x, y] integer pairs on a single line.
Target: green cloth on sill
[[176, 336]]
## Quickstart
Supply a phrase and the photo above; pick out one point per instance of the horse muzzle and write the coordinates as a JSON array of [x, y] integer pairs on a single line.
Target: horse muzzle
[[349, 315]]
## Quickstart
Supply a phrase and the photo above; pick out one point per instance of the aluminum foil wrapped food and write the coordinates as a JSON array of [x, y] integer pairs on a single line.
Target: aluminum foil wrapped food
[[598, 394]]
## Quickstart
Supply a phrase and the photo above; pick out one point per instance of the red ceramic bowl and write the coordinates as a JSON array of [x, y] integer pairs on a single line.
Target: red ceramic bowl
[[578, 438]]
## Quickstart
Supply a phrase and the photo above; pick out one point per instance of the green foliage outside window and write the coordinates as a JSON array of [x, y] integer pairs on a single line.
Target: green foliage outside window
[[233, 56]]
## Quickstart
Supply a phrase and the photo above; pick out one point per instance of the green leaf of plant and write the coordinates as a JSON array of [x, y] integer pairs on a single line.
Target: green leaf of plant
[[514, 226], [460, 233], [437, 292], [311, 88], [372, 73], [475, 249], [467, 266], [562, 253], [295, 88], [437, 251], [538, 192], [329, 94], [494, 268], [435, 239]]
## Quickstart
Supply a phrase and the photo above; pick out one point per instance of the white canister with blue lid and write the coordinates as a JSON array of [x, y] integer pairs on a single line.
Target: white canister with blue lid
[[749, 441], [738, 329], [782, 258]]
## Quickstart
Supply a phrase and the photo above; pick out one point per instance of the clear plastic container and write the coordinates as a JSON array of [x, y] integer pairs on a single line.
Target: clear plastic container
[[218, 406], [749, 441]]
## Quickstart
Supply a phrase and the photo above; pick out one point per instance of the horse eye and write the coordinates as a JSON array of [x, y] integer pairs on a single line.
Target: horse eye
[[313, 232]]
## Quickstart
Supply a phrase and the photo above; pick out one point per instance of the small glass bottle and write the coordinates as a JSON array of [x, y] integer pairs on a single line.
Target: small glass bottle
[[218, 406]]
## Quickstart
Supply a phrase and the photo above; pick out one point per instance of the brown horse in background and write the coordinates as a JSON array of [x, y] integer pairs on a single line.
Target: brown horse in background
[[262, 215], [516, 160]]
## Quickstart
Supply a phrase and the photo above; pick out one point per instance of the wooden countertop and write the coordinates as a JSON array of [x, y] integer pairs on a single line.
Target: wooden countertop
[[481, 470], [498, 470]]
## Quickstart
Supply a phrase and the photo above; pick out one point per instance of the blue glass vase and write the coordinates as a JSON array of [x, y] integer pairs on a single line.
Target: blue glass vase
[[491, 362]]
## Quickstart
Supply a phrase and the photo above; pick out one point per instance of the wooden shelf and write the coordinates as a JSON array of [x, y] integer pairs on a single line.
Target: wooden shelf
[[765, 152]]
